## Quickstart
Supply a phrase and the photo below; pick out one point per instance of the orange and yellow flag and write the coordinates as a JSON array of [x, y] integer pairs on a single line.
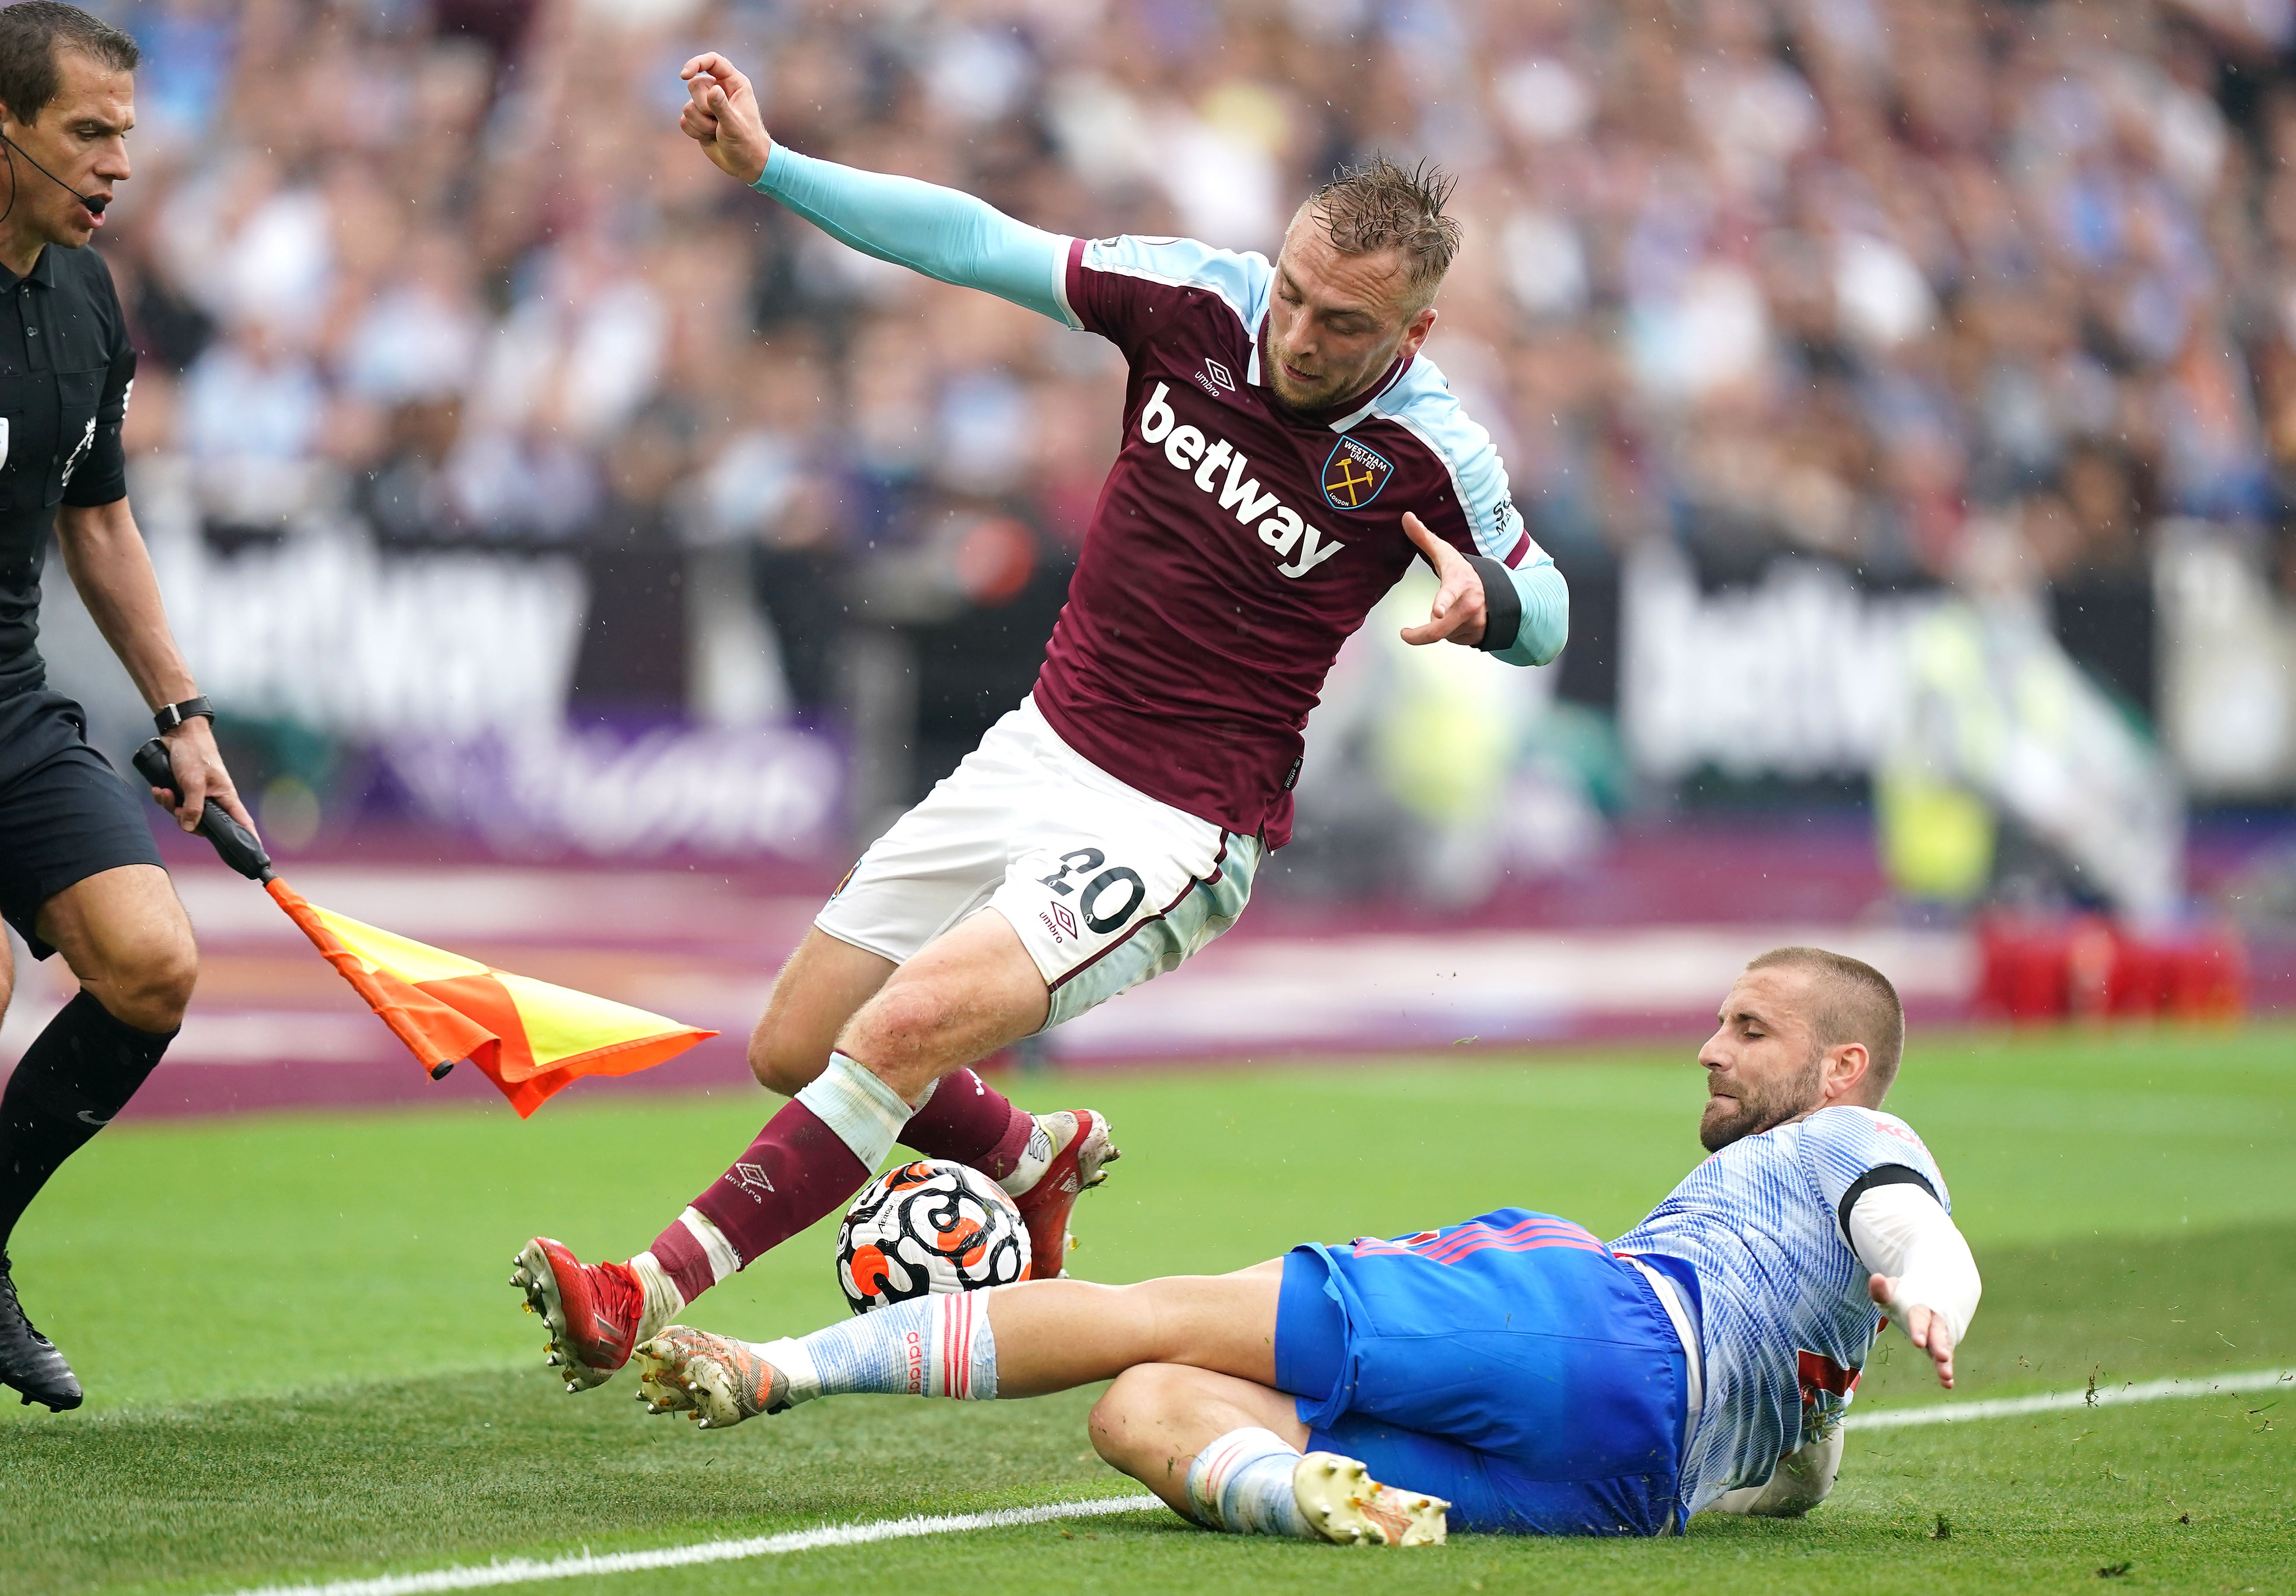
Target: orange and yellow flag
[[532, 1039]]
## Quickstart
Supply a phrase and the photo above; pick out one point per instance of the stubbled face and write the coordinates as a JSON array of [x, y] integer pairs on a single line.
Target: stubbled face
[[1335, 322], [81, 137], [1763, 1064]]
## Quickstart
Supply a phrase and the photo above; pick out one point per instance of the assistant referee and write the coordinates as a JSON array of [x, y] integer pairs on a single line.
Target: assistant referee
[[79, 873]]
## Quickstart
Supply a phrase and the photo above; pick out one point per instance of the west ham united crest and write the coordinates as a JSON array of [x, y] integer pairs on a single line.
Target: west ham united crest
[[1354, 475]]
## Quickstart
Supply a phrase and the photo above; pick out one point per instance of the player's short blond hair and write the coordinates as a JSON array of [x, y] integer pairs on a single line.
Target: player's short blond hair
[[1380, 205], [1850, 1002]]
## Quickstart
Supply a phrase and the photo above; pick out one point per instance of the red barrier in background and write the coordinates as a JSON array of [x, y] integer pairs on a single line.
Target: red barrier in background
[[2041, 969]]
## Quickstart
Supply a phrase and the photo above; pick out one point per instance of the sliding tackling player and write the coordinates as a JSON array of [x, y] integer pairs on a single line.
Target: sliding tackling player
[[1511, 1369], [1287, 453]]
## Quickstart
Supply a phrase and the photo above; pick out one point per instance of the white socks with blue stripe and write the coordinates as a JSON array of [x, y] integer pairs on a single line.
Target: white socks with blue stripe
[[938, 1346], [1243, 1483]]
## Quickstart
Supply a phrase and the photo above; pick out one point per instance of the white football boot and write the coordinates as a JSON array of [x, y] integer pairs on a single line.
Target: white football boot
[[716, 1380], [1342, 1503]]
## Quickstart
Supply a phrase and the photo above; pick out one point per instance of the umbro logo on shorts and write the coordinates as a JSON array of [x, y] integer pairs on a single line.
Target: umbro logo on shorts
[[1187, 450]]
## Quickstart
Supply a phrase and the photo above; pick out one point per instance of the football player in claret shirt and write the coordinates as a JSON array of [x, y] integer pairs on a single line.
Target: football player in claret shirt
[[1287, 453]]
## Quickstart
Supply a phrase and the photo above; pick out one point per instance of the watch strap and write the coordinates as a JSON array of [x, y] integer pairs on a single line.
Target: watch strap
[[168, 716]]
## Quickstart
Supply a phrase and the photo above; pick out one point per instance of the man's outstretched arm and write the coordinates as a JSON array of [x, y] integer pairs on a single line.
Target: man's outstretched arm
[[1922, 1273], [937, 232]]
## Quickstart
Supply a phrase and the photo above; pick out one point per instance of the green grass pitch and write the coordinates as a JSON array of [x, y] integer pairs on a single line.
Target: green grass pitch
[[306, 1364]]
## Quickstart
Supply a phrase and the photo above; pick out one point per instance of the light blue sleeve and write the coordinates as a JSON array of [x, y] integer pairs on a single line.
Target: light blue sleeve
[[1425, 405], [938, 231], [1546, 614]]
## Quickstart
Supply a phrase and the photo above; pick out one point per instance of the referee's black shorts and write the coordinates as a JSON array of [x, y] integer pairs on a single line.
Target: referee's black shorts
[[65, 812]]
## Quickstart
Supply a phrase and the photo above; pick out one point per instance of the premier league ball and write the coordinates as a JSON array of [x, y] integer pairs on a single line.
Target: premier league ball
[[928, 1226]]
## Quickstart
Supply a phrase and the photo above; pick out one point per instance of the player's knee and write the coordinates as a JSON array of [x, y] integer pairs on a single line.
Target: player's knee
[[1133, 1405], [1112, 1416], [901, 1022], [781, 1063], [149, 981]]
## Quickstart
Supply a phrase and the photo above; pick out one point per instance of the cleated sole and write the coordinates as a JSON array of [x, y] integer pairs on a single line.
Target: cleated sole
[[1097, 1154], [530, 1272], [663, 1383], [717, 1384], [1346, 1506]]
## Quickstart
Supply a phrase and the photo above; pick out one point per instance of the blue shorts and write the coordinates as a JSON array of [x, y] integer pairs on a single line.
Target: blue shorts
[[1511, 1364]]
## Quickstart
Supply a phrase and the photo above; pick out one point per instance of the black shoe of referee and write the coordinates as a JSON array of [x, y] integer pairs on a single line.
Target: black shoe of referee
[[29, 1360]]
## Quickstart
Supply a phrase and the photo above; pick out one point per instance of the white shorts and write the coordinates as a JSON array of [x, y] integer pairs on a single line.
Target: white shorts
[[1106, 886]]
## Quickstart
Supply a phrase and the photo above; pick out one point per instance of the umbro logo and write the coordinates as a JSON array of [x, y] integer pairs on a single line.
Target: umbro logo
[[752, 1179], [1214, 377]]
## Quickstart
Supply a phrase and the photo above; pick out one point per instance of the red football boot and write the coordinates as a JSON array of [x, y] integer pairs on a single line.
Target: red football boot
[[593, 1310], [1081, 1153]]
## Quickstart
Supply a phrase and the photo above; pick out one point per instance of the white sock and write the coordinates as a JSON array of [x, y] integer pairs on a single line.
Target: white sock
[[1242, 1482], [664, 1302], [724, 1261], [1035, 1159], [866, 1114], [937, 1345]]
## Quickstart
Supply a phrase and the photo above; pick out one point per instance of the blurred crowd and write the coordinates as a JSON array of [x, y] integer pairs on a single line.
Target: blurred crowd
[[1842, 277]]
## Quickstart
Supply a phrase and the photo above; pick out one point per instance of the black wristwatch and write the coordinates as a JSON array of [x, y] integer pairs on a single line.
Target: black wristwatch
[[172, 715]]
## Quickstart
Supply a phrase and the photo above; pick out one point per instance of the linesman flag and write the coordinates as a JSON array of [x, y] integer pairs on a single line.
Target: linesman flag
[[530, 1038]]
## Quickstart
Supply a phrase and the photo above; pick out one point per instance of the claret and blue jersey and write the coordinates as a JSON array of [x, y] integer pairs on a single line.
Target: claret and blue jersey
[[1237, 542]]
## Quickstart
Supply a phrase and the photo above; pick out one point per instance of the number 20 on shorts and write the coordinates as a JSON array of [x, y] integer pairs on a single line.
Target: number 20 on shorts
[[1076, 862]]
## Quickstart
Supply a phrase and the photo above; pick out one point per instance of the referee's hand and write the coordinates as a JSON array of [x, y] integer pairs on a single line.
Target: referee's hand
[[199, 777], [1459, 613], [721, 115]]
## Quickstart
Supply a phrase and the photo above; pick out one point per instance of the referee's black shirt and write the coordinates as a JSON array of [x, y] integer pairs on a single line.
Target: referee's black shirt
[[65, 369]]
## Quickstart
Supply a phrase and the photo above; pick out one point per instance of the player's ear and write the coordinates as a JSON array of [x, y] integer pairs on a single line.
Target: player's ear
[[1415, 332], [1847, 1067]]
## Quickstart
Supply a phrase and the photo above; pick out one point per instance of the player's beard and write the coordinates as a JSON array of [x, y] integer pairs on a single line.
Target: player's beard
[[1326, 390], [1287, 394], [1759, 1110]]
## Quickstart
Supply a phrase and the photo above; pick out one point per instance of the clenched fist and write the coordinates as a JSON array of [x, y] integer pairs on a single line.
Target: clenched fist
[[721, 115]]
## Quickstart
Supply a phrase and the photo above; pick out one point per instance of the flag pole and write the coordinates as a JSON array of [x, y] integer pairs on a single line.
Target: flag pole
[[244, 852], [530, 1038]]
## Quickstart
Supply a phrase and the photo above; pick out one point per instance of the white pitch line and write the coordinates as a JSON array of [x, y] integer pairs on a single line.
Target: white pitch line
[[525, 1570], [514, 1571], [2103, 1396]]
